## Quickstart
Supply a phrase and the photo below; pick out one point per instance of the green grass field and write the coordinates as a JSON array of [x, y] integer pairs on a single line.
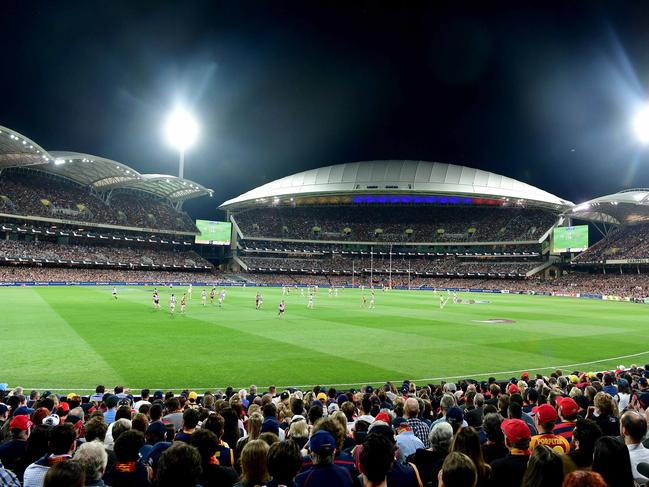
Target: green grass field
[[73, 338]]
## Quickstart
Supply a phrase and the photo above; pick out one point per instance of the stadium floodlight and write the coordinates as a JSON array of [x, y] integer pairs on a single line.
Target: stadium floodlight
[[181, 130], [641, 125]]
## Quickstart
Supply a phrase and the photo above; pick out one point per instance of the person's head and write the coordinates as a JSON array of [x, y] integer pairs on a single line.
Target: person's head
[[120, 426], [322, 446], [127, 446], [254, 466], [517, 433], [584, 478], [173, 405], [491, 426], [284, 461], [96, 429], [584, 436], [376, 458], [633, 427], [206, 442], [611, 460], [190, 419], [215, 423], [140, 422], [155, 413], [440, 437], [467, 441], [604, 404], [19, 427], [334, 428], [269, 410], [411, 408], [179, 466], [457, 471], [64, 474], [93, 458], [545, 418], [62, 439], [544, 469]]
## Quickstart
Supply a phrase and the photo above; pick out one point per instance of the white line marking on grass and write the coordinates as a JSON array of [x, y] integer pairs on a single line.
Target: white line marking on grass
[[463, 376]]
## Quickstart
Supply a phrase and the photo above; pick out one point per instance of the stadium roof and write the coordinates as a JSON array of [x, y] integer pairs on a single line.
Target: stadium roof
[[626, 207], [95, 172], [398, 177]]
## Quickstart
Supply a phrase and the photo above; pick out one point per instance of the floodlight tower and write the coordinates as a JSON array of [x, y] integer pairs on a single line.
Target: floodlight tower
[[181, 130]]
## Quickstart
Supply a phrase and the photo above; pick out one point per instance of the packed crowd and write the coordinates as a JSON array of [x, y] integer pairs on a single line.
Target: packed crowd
[[35, 195], [341, 263], [629, 242], [392, 224], [574, 429], [16, 249], [22, 273]]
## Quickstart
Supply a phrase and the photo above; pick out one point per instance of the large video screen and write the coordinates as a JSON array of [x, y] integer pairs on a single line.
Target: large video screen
[[570, 239], [213, 233]]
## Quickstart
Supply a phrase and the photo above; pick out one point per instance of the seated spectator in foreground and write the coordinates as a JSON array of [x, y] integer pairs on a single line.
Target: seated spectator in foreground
[[545, 419], [212, 474], [128, 470], [8, 478], [224, 454], [544, 468], [429, 461], [634, 428], [12, 451], [510, 469], [458, 471], [254, 466], [606, 414], [376, 460], [467, 441], [93, 460], [322, 446], [584, 478], [584, 436], [284, 462], [611, 459], [407, 442], [65, 474], [494, 447], [190, 421], [568, 411], [62, 441], [179, 466]]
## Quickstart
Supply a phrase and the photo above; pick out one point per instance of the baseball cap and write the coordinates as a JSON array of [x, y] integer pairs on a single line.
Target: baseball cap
[[369, 389], [381, 428], [332, 408], [3, 408], [525, 375], [451, 386], [401, 423], [513, 389], [567, 406], [284, 396], [23, 410], [383, 416], [623, 382], [63, 407], [20, 422], [515, 430], [112, 400], [158, 395], [321, 396], [322, 441], [455, 414], [192, 396], [52, 420], [157, 427], [546, 413]]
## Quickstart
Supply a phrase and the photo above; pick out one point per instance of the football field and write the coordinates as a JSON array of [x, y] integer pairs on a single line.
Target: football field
[[73, 338]]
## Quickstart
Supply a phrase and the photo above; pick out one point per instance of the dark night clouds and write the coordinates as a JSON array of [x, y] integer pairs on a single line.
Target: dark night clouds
[[539, 92]]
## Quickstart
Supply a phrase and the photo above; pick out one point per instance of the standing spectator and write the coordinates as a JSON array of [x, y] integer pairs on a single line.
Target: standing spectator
[[8, 478], [611, 459], [510, 469], [174, 414], [179, 466], [568, 411], [458, 471], [254, 466], [111, 409], [190, 421], [634, 428], [545, 468], [407, 442], [62, 441]]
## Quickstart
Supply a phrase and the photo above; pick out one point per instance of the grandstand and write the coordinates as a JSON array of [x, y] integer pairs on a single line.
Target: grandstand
[[387, 218], [74, 210]]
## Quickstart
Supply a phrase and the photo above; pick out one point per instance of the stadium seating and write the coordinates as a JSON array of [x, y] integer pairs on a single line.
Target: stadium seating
[[36, 195], [628, 242]]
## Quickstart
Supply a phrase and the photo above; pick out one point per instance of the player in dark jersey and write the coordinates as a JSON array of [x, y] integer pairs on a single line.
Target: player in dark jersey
[[282, 308]]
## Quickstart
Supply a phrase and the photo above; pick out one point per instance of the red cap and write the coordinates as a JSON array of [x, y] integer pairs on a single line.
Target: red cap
[[546, 413], [513, 389], [515, 430], [383, 416], [62, 407], [525, 375], [21, 422], [567, 406]]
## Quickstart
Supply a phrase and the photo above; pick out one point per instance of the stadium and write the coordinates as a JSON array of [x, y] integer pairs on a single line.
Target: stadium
[[324, 244]]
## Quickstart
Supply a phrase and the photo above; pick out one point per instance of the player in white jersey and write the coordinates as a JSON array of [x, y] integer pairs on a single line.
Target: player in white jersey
[[454, 297], [221, 297], [331, 291], [259, 300], [442, 302], [203, 297], [301, 291], [190, 289], [114, 292], [310, 305], [371, 306], [156, 299], [283, 290], [172, 304]]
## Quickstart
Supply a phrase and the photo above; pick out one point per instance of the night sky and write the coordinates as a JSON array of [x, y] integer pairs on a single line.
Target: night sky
[[542, 93]]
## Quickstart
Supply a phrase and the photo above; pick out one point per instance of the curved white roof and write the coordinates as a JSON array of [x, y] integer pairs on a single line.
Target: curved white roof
[[397, 177], [628, 206]]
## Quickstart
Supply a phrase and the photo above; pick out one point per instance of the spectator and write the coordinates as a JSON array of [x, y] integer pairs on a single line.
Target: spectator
[[585, 435], [179, 466], [509, 470], [612, 461], [93, 460], [458, 471], [545, 419], [8, 478], [62, 441], [545, 468], [190, 421], [429, 462], [634, 428], [406, 440], [12, 451], [494, 447], [583, 478], [65, 474], [284, 462], [322, 446], [467, 441], [568, 410], [128, 470], [212, 474], [111, 409], [606, 415], [419, 428], [254, 467], [376, 460], [224, 454]]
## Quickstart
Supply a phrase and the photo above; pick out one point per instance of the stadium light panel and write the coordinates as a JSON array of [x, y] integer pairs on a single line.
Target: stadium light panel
[[641, 125], [181, 129]]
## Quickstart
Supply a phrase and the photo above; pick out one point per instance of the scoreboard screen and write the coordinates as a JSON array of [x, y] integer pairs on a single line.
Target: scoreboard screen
[[213, 233], [570, 239]]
